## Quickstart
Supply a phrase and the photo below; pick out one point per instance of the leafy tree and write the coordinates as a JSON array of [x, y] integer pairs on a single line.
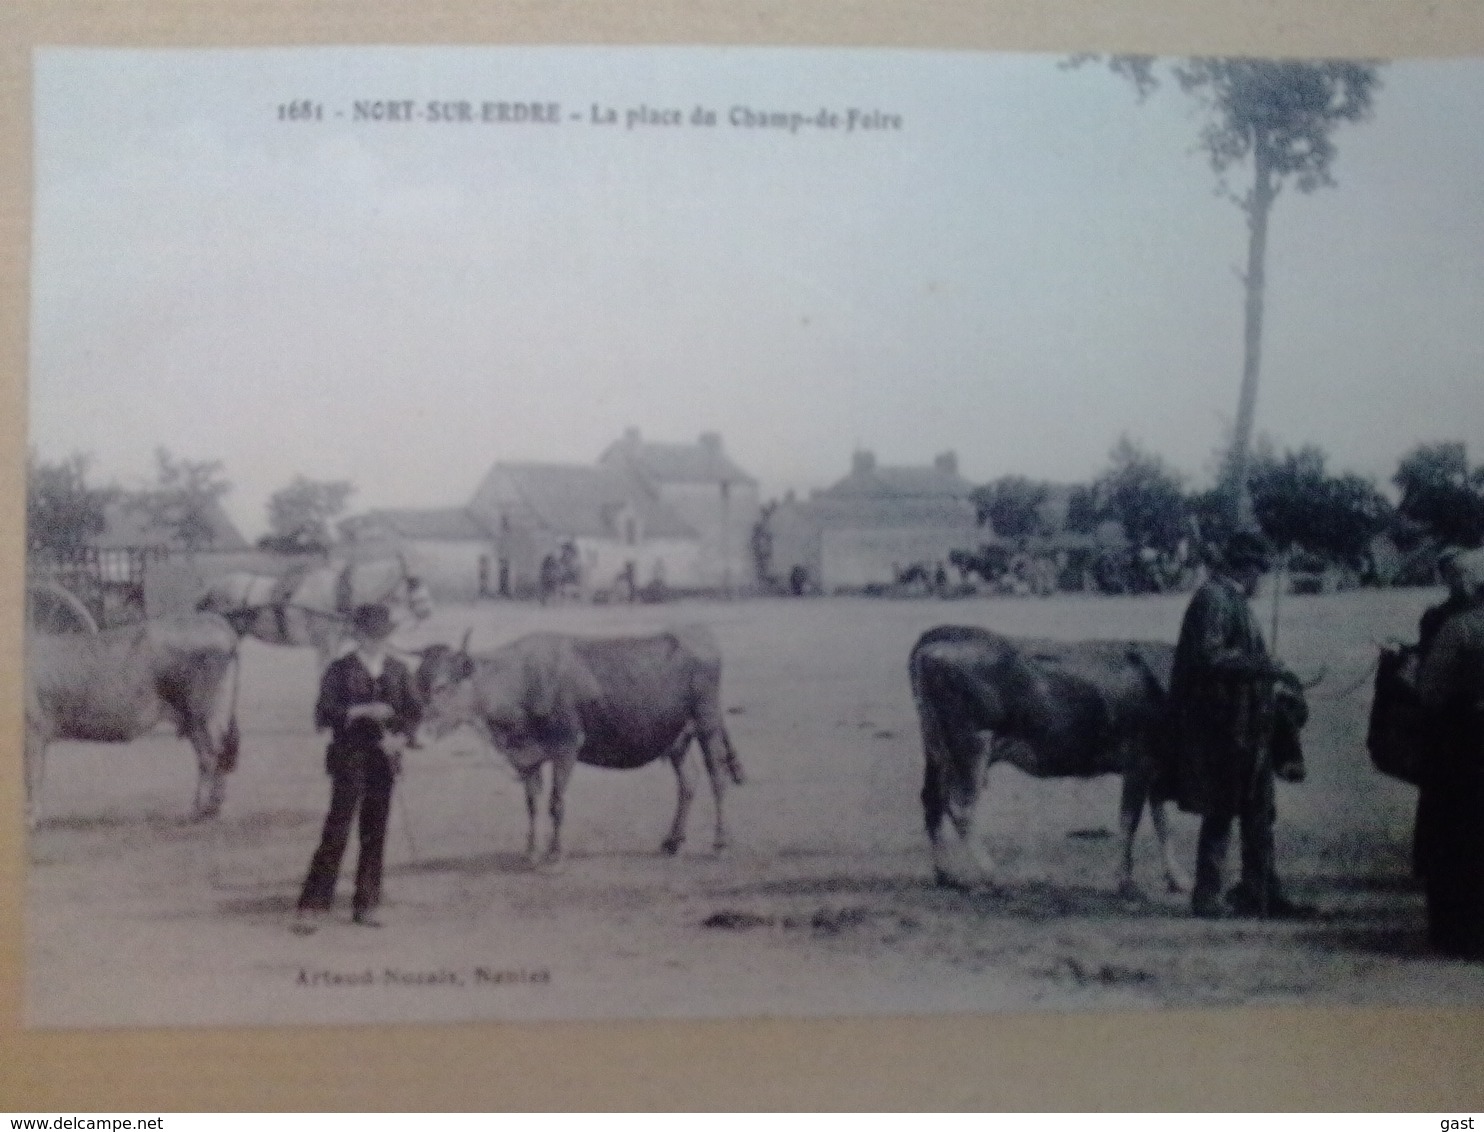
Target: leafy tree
[[1276, 118], [185, 499], [1144, 495], [1011, 505], [1441, 493], [1083, 516], [62, 509], [299, 515], [1299, 504]]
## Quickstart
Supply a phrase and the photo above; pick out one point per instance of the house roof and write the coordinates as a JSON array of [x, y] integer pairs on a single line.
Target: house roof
[[574, 500], [900, 483], [868, 512], [444, 523], [705, 461], [127, 523]]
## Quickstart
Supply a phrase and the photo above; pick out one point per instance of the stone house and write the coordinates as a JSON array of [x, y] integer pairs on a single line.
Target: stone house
[[716, 499], [447, 547], [609, 523], [874, 523]]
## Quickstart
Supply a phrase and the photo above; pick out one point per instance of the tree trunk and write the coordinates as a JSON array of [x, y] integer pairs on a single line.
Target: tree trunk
[[1258, 207]]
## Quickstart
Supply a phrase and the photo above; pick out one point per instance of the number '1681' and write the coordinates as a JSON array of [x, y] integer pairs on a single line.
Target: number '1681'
[[300, 110]]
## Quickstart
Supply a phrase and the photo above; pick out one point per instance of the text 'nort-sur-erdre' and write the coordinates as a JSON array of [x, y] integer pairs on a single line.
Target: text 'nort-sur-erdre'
[[824, 119]]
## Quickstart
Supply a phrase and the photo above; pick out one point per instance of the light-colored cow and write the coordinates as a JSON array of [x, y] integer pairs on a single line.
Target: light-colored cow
[[119, 684], [619, 703]]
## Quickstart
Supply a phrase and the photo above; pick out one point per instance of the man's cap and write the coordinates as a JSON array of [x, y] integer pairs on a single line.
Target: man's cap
[[372, 621]]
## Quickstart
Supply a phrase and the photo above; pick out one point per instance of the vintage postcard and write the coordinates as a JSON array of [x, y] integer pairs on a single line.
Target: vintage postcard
[[530, 533]]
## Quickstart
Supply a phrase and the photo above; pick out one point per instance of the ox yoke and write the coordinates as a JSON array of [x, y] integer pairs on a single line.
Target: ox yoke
[[630, 699]]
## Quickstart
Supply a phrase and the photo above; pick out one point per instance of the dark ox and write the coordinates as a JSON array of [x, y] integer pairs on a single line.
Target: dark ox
[[1051, 709], [119, 684], [619, 703]]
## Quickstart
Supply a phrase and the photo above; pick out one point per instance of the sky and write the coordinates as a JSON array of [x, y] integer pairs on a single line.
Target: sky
[[1018, 262]]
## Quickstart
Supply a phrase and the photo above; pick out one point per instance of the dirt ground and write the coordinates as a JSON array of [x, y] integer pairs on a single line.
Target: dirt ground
[[823, 905]]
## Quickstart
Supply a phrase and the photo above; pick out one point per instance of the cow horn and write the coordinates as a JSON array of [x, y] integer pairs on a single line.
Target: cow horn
[[464, 644]]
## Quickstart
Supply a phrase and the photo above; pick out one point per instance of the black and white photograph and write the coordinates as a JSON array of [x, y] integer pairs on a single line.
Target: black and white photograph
[[535, 533]]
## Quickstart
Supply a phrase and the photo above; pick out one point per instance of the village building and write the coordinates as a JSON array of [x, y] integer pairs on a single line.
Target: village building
[[447, 547], [137, 567], [715, 498], [597, 524], [874, 524]]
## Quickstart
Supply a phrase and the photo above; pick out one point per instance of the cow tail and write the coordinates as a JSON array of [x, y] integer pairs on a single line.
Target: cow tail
[[734, 764], [934, 802], [226, 761]]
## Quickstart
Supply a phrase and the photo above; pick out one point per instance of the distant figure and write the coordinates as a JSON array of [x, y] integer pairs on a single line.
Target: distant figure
[[366, 699], [1450, 685], [798, 581], [1222, 698], [550, 579]]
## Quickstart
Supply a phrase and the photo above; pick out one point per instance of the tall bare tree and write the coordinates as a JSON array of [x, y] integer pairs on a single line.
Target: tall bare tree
[[1274, 120]]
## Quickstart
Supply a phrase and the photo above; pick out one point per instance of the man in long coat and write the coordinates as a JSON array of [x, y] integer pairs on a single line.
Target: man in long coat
[[367, 700], [1222, 697], [1450, 814]]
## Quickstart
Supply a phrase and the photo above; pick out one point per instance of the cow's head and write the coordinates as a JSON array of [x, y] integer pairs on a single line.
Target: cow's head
[[446, 686]]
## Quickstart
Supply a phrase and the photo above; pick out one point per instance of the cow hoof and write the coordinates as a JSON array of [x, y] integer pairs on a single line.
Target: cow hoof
[[1176, 884], [1128, 890], [718, 846], [552, 866], [671, 845]]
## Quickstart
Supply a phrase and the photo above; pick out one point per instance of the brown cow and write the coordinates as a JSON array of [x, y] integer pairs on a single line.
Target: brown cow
[[619, 702], [1052, 709], [116, 685]]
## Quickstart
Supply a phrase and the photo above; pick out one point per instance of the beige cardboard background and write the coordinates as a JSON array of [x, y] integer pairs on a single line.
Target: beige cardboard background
[[1290, 1059]]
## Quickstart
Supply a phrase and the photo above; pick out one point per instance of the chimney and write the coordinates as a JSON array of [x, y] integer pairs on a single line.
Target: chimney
[[947, 463], [863, 462], [711, 441]]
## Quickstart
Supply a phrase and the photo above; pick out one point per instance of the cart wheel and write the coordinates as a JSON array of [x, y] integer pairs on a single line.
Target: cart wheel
[[52, 609]]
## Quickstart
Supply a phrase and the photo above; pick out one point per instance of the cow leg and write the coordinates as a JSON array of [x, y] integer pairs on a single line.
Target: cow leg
[[530, 778], [1175, 877], [1135, 794], [685, 791], [561, 773], [720, 762], [958, 858], [211, 783], [1130, 811]]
